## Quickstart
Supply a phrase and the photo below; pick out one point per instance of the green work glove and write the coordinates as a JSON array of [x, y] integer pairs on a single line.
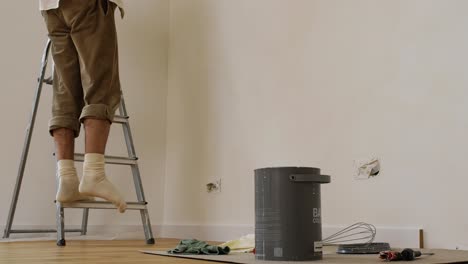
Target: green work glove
[[196, 247]]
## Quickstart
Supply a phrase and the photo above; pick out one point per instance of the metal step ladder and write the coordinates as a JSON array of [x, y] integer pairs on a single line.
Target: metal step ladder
[[131, 160]]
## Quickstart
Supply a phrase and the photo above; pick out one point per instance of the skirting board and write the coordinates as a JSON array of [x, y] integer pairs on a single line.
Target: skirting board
[[397, 236]]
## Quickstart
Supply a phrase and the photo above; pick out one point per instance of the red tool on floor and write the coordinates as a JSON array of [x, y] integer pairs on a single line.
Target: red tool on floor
[[407, 254]]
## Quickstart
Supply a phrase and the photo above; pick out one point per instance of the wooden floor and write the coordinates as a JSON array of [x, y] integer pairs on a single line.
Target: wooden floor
[[88, 252]]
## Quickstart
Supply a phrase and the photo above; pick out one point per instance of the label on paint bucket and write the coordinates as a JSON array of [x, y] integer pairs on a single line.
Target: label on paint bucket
[[317, 214], [318, 245]]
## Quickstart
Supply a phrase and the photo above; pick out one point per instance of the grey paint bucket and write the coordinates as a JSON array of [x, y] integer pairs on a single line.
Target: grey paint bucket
[[288, 223]]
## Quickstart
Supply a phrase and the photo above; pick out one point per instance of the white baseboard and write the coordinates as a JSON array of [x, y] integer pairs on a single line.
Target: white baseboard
[[206, 232], [400, 237]]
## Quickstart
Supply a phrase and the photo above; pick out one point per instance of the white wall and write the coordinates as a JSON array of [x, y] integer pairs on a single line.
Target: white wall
[[143, 36], [321, 83]]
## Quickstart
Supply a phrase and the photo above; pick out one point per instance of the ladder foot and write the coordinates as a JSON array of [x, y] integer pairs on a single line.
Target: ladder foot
[[150, 241], [61, 243]]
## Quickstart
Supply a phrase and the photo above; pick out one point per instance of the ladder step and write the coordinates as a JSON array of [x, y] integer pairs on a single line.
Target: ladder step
[[37, 231], [120, 119], [104, 205], [111, 159]]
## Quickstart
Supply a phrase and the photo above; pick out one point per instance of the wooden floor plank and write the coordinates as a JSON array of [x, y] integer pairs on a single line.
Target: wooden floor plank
[[99, 252]]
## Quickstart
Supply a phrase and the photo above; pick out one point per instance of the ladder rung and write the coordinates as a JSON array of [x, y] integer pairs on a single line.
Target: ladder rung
[[120, 119], [32, 231], [111, 159], [104, 205]]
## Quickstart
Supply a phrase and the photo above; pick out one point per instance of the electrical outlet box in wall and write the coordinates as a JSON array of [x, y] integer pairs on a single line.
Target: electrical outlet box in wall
[[214, 187], [366, 168]]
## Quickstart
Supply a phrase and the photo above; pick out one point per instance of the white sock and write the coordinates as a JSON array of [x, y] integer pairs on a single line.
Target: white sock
[[68, 182], [95, 183]]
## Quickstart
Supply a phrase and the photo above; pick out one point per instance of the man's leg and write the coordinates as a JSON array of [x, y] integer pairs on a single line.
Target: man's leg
[[68, 180], [95, 38], [64, 139], [96, 134], [95, 182], [66, 107]]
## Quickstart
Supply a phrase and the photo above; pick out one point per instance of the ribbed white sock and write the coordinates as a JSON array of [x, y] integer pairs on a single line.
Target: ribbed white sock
[[95, 183], [68, 182]]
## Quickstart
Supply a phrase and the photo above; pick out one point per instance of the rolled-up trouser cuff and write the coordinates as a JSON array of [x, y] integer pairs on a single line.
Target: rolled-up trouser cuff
[[64, 122], [97, 111]]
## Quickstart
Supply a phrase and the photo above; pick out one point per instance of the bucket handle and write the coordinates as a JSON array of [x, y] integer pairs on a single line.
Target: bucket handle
[[309, 178]]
